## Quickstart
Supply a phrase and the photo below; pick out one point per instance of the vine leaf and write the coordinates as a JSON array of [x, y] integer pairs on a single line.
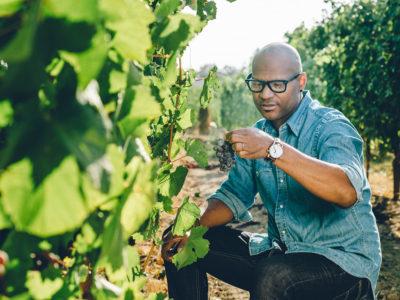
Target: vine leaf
[[196, 247], [42, 289], [186, 119], [171, 183], [211, 84], [6, 113], [138, 107], [166, 8], [9, 7], [198, 151], [88, 63], [73, 10], [187, 214], [130, 20], [53, 207]]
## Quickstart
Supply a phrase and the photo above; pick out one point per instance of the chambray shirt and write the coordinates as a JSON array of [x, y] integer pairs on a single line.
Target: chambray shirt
[[298, 219]]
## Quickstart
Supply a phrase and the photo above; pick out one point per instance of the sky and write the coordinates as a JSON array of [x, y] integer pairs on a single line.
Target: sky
[[245, 25]]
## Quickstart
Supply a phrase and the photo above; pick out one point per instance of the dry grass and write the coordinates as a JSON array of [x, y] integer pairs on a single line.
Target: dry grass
[[381, 177]]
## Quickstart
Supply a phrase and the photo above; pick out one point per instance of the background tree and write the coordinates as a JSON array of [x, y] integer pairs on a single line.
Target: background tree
[[355, 60]]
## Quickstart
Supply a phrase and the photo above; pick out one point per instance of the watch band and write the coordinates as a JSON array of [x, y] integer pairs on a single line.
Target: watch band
[[268, 158]]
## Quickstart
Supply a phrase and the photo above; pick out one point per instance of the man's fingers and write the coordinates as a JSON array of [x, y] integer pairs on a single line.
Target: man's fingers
[[238, 138], [245, 154], [172, 246]]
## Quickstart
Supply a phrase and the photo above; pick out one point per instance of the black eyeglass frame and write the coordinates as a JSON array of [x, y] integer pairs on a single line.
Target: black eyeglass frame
[[268, 83]]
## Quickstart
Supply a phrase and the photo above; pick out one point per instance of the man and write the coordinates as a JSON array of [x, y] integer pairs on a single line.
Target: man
[[306, 162]]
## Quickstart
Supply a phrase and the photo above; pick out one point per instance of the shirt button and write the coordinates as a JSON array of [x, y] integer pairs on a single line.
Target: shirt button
[[257, 173], [281, 206], [283, 232], [281, 180]]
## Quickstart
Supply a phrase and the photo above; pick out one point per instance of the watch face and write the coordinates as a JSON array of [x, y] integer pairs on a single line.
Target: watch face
[[275, 151]]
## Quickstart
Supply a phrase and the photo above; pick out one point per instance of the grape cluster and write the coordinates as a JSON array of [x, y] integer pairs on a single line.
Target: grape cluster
[[225, 154]]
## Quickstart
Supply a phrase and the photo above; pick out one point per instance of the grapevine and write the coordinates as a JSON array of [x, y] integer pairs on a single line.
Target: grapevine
[[87, 142]]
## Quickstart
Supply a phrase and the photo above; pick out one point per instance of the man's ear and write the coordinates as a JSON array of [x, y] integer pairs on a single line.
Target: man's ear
[[302, 81]]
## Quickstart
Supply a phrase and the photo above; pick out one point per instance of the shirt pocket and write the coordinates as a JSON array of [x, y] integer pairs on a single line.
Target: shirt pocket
[[266, 183]]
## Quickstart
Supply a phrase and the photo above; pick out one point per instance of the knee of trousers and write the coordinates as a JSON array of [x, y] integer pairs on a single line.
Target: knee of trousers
[[272, 281]]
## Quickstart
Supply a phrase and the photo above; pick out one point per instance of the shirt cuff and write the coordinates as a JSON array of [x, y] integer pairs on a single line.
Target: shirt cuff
[[237, 207], [355, 179]]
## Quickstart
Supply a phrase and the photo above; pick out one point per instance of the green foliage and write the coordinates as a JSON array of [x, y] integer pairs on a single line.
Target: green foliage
[[355, 50], [187, 214], [195, 247], [236, 106], [197, 150], [92, 105], [210, 86]]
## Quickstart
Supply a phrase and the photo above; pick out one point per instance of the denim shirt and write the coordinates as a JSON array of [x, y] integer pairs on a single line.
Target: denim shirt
[[298, 219]]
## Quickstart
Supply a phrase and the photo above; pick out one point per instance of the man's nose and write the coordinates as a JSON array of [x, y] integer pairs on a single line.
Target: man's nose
[[266, 92]]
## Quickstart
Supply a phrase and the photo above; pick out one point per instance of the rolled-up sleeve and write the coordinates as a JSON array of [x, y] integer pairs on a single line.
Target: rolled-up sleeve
[[340, 144], [239, 190]]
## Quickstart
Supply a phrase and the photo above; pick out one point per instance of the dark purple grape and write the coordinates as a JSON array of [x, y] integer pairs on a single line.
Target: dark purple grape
[[225, 155]]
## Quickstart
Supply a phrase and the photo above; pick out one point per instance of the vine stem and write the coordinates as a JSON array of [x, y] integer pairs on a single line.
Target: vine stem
[[171, 132], [158, 56], [146, 263], [176, 159], [171, 137]]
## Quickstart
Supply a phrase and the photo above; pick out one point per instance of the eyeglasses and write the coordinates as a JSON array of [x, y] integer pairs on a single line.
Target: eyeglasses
[[277, 86]]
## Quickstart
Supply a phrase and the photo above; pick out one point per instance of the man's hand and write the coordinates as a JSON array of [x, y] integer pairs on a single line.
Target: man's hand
[[172, 245], [251, 143]]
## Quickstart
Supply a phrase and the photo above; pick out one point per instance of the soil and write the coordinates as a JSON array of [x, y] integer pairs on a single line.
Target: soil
[[203, 182]]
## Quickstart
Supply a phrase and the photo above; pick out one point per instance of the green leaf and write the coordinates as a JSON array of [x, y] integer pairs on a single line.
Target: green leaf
[[211, 9], [117, 81], [8, 7], [198, 151], [83, 272], [5, 221], [211, 84], [20, 47], [87, 64], [166, 8], [187, 214], [6, 113], [19, 246], [53, 207], [85, 240], [111, 256], [186, 119], [141, 199], [195, 247], [181, 29], [171, 184], [42, 288], [139, 106], [73, 10], [83, 129], [158, 296], [130, 21]]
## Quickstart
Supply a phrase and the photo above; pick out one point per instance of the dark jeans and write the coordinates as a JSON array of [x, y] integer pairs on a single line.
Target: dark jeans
[[269, 275]]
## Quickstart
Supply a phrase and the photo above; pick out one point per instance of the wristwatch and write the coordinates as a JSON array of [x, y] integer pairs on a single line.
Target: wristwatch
[[274, 151]]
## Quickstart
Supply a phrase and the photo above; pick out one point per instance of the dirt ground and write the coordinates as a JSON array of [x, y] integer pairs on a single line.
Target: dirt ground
[[203, 182]]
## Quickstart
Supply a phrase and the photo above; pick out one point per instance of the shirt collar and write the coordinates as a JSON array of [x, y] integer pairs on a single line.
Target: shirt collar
[[295, 122]]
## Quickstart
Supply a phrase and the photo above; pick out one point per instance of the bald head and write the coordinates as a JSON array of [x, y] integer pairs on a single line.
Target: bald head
[[280, 56]]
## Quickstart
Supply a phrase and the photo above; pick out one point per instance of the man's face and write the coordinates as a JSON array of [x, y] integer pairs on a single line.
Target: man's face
[[277, 107]]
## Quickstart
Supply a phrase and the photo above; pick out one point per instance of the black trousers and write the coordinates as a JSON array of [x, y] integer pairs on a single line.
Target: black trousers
[[269, 275]]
